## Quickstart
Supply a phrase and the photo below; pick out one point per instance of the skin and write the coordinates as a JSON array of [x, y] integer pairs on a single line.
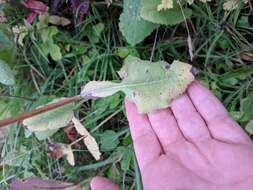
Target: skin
[[193, 145]]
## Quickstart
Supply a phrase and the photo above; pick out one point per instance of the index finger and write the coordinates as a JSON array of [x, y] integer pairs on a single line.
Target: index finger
[[146, 145]]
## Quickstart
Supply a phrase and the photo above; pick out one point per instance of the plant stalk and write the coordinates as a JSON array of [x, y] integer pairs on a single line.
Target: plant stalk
[[38, 111]]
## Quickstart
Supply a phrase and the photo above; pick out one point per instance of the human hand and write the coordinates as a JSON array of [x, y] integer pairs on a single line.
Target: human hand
[[194, 145]]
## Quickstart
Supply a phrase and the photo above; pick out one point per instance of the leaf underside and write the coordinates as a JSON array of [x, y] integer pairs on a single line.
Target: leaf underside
[[151, 86]]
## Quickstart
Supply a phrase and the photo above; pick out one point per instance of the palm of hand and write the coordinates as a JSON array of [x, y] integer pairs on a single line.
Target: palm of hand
[[192, 145], [217, 166]]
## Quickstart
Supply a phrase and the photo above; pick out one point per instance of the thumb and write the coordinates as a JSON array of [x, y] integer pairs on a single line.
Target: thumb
[[101, 183]]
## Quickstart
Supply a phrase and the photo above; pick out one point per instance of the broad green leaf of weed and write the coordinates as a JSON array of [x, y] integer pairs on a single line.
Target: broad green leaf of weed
[[109, 140], [48, 33], [151, 86], [123, 52], [249, 127], [127, 155], [94, 33], [80, 49], [51, 120], [247, 107], [48, 46], [17, 158], [132, 26], [224, 41], [44, 48], [42, 135], [55, 52], [102, 105], [7, 46], [171, 16], [243, 22], [6, 75]]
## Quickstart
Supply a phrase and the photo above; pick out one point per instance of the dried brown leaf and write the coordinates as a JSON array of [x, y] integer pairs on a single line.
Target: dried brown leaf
[[108, 2], [58, 150], [232, 4], [89, 141], [246, 56], [59, 21], [191, 1]]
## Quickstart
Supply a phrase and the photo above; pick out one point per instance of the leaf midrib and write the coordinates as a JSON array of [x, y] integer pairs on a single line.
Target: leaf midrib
[[121, 86]]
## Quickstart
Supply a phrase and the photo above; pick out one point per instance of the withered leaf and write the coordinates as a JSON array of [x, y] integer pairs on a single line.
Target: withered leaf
[[89, 140], [58, 150]]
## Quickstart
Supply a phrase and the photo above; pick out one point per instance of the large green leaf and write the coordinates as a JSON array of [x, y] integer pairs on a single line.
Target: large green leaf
[[42, 135], [109, 140], [55, 52], [150, 85], [18, 158], [7, 46], [127, 155], [48, 33], [51, 120], [132, 26], [48, 46], [6, 75], [172, 16], [94, 32]]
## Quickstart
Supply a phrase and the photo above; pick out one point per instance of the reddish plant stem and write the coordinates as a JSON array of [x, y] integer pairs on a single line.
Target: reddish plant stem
[[43, 109]]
